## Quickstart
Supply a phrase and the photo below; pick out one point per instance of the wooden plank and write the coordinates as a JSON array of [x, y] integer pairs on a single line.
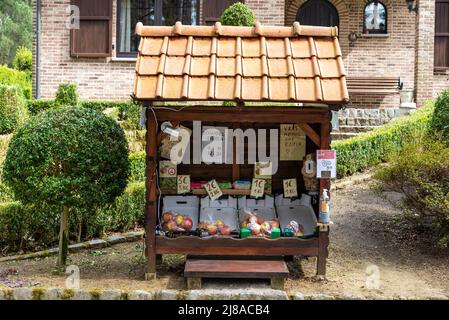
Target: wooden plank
[[310, 133], [254, 269], [151, 195], [202, 192], [237, 247]]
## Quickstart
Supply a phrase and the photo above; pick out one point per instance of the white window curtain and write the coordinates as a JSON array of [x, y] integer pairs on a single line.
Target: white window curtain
[[125, 26]]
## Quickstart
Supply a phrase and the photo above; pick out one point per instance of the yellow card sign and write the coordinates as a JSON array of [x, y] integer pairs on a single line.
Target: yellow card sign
[[213, 190], [257, 188], [290, 188], [183, 184], [292, 143]]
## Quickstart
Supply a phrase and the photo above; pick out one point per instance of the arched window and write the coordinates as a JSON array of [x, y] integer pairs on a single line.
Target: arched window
[[375, 18]]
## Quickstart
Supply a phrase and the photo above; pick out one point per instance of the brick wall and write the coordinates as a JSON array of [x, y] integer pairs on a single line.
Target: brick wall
[[393, 55]]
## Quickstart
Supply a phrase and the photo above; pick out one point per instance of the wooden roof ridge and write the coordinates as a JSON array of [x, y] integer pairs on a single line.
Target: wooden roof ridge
[[218, 29]]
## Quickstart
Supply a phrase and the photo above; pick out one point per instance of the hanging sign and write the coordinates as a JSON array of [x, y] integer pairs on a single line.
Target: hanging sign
[[175, 148], [326, 161], [290, 188], [167, 169], [258, 188], [213, 190], [183, 184], [292, 143]]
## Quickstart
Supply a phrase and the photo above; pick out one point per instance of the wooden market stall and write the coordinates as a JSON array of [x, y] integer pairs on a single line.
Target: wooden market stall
[[260, 69]]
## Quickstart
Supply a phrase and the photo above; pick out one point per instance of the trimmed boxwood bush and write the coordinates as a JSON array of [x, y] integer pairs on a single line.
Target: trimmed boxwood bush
[[72, 158], [18, 78], [440, 117], [372, 148], [238, 14], [67, 94], [12, 108], [23, 60]]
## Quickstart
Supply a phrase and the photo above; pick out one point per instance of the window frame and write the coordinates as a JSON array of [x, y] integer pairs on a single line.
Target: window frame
[[445, 35], [158, 9], [365, 30]]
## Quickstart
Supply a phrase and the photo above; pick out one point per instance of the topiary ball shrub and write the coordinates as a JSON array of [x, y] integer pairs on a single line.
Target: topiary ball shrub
[[12, 108], [67, 94], [23, 60], [238, 14], [71, 158], [440, 118]]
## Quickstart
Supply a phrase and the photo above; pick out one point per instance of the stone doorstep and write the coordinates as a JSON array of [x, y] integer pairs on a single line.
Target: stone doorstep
[[206, 294]]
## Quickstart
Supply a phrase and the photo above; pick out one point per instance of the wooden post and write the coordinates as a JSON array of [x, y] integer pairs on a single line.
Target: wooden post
[[63, 238], [151, 194], [323, 236]]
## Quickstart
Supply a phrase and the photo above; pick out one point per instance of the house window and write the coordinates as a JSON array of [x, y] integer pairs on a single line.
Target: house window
[[153, 13], [375, 18], [442, 34]]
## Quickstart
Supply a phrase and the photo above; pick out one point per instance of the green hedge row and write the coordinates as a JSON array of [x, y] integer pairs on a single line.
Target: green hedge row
[[372, 148], [36, 106], [18, 78], [29, 228]]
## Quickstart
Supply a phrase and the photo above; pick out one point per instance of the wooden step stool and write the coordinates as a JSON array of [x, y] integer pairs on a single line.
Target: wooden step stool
[[197, 268]]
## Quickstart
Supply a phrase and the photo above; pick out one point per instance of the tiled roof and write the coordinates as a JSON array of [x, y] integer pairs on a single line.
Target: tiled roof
[[261, 63]]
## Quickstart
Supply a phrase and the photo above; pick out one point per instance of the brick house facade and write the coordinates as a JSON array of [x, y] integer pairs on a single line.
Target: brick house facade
[[405, 49]]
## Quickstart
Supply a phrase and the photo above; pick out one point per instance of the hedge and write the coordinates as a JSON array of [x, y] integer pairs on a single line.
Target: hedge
[[30, 228], [137, 166], [12, 108], [36, 106], [377, 146], [18, 78]]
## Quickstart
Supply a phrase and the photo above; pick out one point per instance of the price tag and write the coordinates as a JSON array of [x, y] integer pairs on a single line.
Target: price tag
[[213, 190], [326, 161], [290, 188], [258, 188], [183, 184]]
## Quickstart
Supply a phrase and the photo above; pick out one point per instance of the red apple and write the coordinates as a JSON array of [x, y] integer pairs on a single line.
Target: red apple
[[219, 223], [171, 226], [167, 216], [212, 229], [225, 231], [187, 224], [203, 225]]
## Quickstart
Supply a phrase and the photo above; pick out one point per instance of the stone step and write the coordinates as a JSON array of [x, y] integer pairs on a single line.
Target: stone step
[[357, 129]]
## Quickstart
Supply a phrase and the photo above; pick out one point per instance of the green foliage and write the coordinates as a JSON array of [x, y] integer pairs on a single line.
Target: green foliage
[[36, 106], [238, 14], [67, 94], [440, 118], [16, 78], [23, 60], [421, 173], [130, 115], [137, 166], [16, 19], [372, 148], [74, 157], [127, 212], [12, 108]]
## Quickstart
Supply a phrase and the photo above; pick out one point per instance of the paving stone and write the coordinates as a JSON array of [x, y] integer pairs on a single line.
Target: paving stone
[[82, 295], [116, 239], [53, 294], [22, 294], [98, 243], [140, 295], [166, 295], [298, 296], [319, 296], [110, 295]]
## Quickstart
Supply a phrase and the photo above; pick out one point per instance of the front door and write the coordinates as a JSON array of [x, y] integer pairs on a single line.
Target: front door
[[318, 13]]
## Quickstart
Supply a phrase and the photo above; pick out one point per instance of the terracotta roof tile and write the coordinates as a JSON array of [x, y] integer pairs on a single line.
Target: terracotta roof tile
[[298, 63]]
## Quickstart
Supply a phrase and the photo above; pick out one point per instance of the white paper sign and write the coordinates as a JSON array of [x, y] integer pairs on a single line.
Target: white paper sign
[[290, 188], [326, 161], [213, 190], [258, 188], [167, 169], [263, 170], [183, 184]]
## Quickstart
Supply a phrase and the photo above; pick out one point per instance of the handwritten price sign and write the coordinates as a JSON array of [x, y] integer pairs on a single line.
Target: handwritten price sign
[[257, 188], [183, 184], [290, 188], [213, 190]]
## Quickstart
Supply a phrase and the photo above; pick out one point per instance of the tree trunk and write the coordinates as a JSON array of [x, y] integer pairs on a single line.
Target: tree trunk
[[63, 238]]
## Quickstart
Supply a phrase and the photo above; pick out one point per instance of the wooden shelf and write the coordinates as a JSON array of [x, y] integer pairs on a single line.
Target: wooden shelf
[[202, 192]]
